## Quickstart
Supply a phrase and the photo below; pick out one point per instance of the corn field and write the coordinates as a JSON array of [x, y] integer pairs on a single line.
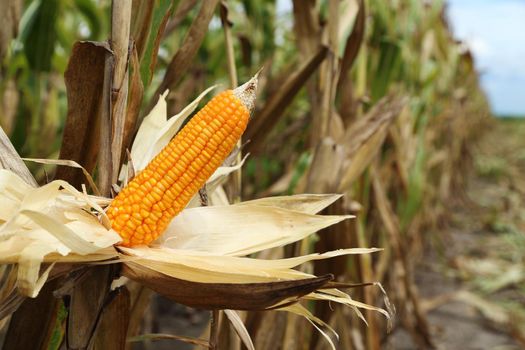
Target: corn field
[[121, 197]]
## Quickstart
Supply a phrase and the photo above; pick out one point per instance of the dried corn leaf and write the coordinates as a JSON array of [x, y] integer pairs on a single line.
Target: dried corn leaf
[[51, 219], [84, 77], [343, 298], [69, 163], [243, 229], [206, 267], [148, 133], [314, 321], [306, 203], [236, 296], [364, 139]]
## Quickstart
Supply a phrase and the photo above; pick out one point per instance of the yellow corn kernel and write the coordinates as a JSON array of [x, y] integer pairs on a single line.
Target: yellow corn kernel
[[172, 178]]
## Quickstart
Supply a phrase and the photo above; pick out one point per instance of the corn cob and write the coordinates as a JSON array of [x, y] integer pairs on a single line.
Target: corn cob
[[144, 208]]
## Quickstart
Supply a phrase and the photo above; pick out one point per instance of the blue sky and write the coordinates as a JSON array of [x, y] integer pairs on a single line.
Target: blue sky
[[495, 31]]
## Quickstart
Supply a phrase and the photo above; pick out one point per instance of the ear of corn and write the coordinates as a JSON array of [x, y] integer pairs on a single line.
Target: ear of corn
[[145, 207]]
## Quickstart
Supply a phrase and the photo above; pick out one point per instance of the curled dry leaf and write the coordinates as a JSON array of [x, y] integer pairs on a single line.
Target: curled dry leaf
[[240, 328]]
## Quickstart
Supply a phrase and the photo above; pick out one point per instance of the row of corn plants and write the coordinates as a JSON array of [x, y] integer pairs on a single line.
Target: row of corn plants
[[370, 99]]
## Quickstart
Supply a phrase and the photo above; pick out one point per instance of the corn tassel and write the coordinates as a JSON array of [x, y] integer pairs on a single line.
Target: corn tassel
[[144, 208]]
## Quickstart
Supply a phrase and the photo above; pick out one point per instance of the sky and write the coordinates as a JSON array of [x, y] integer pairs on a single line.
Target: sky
[[495, 32]]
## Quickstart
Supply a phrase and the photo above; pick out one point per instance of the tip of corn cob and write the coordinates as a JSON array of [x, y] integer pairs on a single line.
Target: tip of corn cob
[[247, 91]]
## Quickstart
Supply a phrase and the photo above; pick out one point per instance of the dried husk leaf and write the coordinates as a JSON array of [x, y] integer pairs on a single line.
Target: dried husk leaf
[[236, 296], [51, 219], [69, 163], [343, 298], [10, 160], [205, 267], [306, 203], [244, 228]]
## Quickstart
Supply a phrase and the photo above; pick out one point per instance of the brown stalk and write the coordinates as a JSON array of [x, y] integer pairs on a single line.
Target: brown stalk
[[120, 29], [136, 93], [84, 76], [86, 303], [35, 319], [309, 35], [352, 46], [111, 331], [87, 318], [348, 103], [140, 298], [214, 329], [105, 159], [328, 77], [306, 26], [215, 316], [230, 56], [367, 274]]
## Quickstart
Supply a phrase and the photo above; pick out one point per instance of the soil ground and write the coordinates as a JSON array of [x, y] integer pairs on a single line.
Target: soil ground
[[465, 278]]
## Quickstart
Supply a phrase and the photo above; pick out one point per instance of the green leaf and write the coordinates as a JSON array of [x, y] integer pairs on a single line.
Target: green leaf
[[60, 327], [41, 35], [161, 12], [388, 66]]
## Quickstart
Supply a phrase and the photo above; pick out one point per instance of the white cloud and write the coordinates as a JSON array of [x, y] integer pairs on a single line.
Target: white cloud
[[495, 31], [479, 46]]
